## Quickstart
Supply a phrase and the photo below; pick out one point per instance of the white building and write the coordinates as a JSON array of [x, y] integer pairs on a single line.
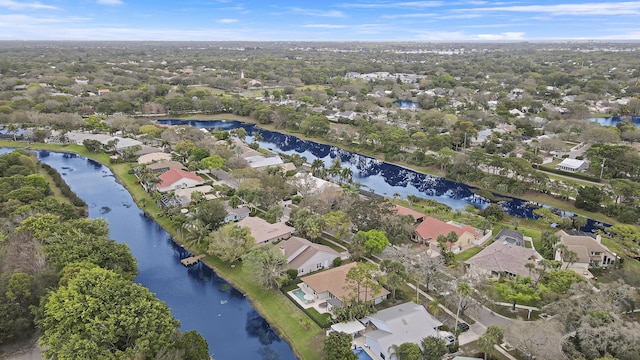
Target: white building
[[573, 165]]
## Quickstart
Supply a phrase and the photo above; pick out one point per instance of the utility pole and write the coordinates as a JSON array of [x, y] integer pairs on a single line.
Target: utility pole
[[602, 167]]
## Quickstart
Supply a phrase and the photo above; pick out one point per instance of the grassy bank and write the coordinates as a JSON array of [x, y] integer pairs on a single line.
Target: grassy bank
[[304, 336]]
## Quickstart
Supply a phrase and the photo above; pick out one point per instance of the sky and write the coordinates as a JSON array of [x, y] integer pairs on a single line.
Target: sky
[[319, 20]]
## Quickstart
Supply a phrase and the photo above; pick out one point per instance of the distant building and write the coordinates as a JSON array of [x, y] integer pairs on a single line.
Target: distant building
[[264, 232], [573, 165], [307, 257]]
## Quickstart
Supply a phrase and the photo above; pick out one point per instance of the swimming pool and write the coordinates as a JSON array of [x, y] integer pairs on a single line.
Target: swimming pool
[[362, 355], [299, 294]]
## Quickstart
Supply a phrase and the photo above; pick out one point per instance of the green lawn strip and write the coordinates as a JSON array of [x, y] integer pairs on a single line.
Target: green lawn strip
[[468, 254], [290, 322], [305, 337], [55, 190]]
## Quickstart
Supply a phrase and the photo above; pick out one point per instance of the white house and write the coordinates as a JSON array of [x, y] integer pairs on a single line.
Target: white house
[[573, 165], [408, 322], [307, 257], [264, 232]]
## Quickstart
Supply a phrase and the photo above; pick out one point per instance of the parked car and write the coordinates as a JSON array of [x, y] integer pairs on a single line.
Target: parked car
[[462, 327], [447, 337]]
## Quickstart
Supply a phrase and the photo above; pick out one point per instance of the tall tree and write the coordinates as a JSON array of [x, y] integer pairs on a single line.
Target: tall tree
[[119, 319], [433, 348], [267, 265], [337, 346], [462, 290], [230, 242], [360, 280], [493, 336]]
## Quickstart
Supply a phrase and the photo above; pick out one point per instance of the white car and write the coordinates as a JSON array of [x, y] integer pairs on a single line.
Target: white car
[[447, 337]]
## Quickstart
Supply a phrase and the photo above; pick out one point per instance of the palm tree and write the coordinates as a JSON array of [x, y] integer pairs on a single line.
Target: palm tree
[[434, 307], [530, 266], [463, 290], [492, 337], [317, 168], [335, 168], [346, 175], [396, 196]]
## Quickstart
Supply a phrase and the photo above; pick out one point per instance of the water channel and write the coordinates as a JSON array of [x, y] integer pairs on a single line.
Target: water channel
[[375, 175], [199, 298]]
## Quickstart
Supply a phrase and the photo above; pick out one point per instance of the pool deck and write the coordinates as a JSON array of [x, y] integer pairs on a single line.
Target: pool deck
[[359, 341], [319, 305]]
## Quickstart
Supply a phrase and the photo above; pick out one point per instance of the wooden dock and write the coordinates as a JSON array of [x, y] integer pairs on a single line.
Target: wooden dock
[[192, 260]]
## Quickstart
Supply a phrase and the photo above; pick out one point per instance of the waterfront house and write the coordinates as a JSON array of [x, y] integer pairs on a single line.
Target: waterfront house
[[265, 232], [177, 179], [430, 229], [307, 257], [502, 259], [332, 285], [589, 250]]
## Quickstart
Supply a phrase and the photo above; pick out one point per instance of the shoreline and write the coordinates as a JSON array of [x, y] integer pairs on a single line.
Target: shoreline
[[209, 261], [548, 200]]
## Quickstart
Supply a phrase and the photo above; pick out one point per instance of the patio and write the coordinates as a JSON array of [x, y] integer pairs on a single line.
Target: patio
[[307, 300]]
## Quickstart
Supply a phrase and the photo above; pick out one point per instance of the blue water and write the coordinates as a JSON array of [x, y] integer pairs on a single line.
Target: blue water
[[406, 104], [196, 295], [378, 176], [613, 121], [362, 355], [299, 294]]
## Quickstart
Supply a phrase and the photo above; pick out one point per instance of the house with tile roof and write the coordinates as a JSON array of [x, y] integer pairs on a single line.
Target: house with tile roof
[[332, 285], [265, 232], [416, 215], [177, 179], [589, 250], [510, 236], [404, 323], [430, 228], [502, 259], [307, 257], [162, 166]]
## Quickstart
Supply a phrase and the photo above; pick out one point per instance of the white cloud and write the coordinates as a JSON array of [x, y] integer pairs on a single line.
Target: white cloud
[[14, 5], [110, 2], [390, 4], [502, 36], [324, 26], [227, 21], [409, 16], [312, 12], [600, 9]]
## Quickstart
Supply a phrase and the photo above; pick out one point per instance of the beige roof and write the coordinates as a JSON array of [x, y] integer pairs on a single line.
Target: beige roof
[[582, 245], [156, 156], [166, 164], [204, 189], [299, 250], [263, 231], [334, 281], [501, 257]]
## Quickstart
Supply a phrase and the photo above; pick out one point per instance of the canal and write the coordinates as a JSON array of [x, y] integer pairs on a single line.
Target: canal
[[199, 298]]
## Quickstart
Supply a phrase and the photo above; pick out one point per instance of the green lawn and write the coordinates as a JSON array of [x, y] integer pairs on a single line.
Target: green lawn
[[304, 336], [468, 254]]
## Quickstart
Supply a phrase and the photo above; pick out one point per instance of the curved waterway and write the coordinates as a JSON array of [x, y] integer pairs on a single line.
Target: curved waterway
[[199, 298], [376, 175]]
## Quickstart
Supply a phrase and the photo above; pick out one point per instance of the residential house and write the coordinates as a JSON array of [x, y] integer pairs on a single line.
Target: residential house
[[573, 165], [332, 285], [509, 236], [236, 214], [264, 232], [153, 157], [502, 258], [307, 257], [260, 162], [404, 323], [164, 166], [418, 217], [589, 250], [430, 228], [177, 179], [183, 197]]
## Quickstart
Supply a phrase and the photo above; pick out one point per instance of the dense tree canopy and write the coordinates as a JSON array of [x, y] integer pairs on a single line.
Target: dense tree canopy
[[100, 314]]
